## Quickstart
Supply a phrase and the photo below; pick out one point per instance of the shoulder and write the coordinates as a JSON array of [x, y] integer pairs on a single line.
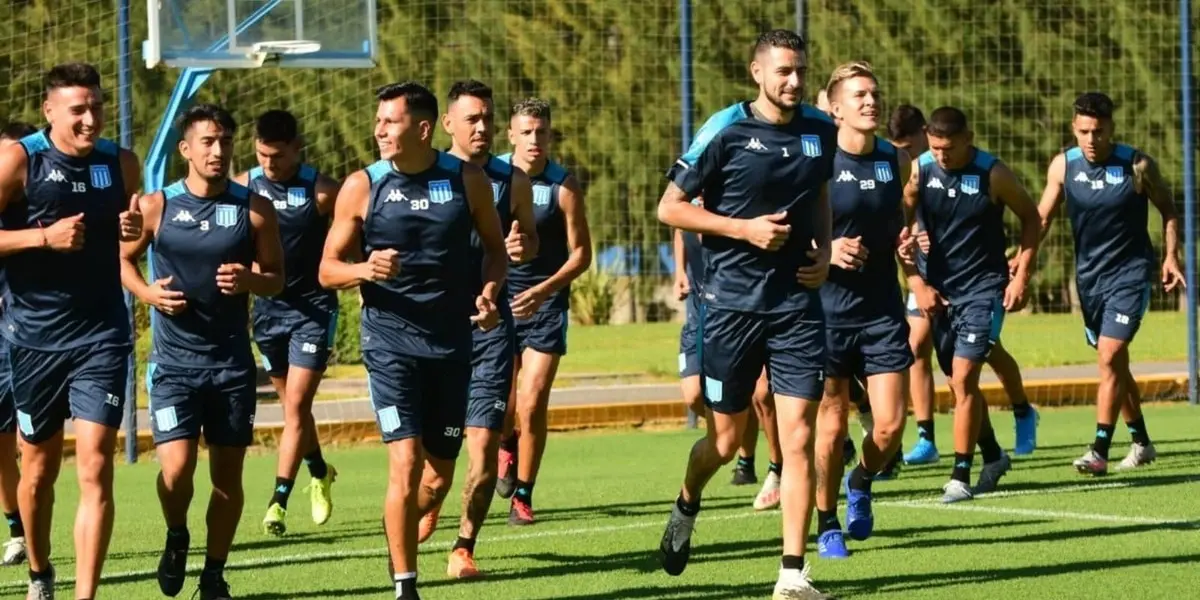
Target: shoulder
[[925, 160], [984, 160], [499, 168], [712, 129], [814, 120], [308, 174], [152, 203], [453, 164], [241, 193], [1130, 154], [14, 158], [374, 173], [556, 173]]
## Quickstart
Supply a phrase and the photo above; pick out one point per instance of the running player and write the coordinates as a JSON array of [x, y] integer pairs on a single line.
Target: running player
[[211, 242], [958, 193], [10, 473], [762, 168], [65, 203], [540, 292], [864, 310], [1107, 186], [470, 121], [411, 214], [294, 330]]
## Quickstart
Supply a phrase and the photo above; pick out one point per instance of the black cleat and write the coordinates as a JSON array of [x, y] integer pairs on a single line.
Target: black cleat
[[676, 544], [214, 589], [172, 568], [743, 475]]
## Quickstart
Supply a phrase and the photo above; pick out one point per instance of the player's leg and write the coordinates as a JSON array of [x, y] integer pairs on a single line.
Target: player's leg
[[273, 348], [743, 469], [482, 444], [543, 346], [1141, 451], [920, 386], [10, 473], [832, 428], [764, 405], [506, 457], [176, 421], [1025, 416]]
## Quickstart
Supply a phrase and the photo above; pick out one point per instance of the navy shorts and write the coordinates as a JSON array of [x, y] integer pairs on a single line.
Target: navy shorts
[[492, 358], [186, 401], [735, 346], [1115, 314], [860, 352], [419, 397], [689, 360], [295, 339], [967, 330], [8, 410], [545, 332], [50, 386]]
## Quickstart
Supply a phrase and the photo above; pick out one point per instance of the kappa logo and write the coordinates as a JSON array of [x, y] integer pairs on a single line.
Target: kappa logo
[[756, 145], [395, 196], [935, 184], [183, 216], [1081, 177], [846, 176], [56, 176]]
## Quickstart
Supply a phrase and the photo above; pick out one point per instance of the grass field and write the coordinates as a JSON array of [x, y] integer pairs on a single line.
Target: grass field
[[603, 498]]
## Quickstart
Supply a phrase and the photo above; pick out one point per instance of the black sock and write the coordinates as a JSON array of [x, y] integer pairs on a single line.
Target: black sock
[[41, 575], [792, 562], [283, 491], [1104, 435], [510, 443], [178, 538], [214, 569], [776, 468], [1137, 430], [746, 463], [524, 492], [688, 509], [316, 464], [463, 542], [962, 467], [988, 446], [406, 586], [1021, 410], [925, 430], [860, 478], [15, 527], [827, 521]]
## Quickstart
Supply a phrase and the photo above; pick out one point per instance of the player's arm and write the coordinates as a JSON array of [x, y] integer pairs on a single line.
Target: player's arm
[[487, 225], [13, 164], [1149, 181], [1009, 191], [341, 262], [905, 244], [157, 293], [267, 277], [520, 198], [911, 200], [1052, 194], [579, 238], [327, 192]]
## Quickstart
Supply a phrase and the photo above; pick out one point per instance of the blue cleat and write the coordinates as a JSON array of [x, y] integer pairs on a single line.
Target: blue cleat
[[859, 519], [831, 544], [924, 453], [1026, 433]]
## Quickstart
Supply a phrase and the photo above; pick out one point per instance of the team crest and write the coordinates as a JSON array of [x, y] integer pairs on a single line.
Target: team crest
[[969, 184], [810, 145], [226, 216], [101, 178], [883, 171], [1114, 175], [495, 192], [541, 195], [296, 196], [440, 191]]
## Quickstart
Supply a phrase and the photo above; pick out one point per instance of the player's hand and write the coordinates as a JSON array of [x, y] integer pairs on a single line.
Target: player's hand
[[486, 315], [905, 245], [848, 253], [682, 286], [1014, 295], [517, 244], [1172, 277], [815, 274], [527, 303], [231, 278], [131, 221], [168, 302], [1012, 266], [929, 300], [923, 241], [768, 232], [381, 265], [65, 235]]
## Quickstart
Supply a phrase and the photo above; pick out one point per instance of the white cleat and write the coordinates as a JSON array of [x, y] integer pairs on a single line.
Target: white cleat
[[41, 590], [14, 552], [956, 491], [795, 585], [1139, 456], [768, 496]]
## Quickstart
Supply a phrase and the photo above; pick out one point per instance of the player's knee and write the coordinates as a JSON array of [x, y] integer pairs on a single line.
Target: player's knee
[[888, 427], [95, 474], [726, 444], [1112, 359]]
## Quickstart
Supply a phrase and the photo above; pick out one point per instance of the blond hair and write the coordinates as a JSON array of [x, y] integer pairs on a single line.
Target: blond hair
[[850, 70]]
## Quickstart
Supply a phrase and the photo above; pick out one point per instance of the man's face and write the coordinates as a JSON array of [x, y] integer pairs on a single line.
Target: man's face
[[471, 123], [208, 149], [279, 160], [76, 115]]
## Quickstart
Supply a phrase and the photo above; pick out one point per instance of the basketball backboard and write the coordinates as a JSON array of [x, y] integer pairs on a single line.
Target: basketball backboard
[[242, 34]]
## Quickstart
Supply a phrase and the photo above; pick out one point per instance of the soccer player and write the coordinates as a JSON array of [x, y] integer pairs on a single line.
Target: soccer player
[[540, 293], [212, 242], [1107, 187], [470, 121], [10, 473], [762, 168], [294, 330], [67, 199], [959, 193], [906, 128], [864, 311], [412, 215]]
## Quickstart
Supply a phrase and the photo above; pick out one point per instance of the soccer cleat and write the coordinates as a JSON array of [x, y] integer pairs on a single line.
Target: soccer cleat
[[1139, 456], [275, 522], [506, 474], [832, 544], [1091, 463], [768, 496], [676, 545], [520, 514], [743, 475], [1026, 433], [172, 569], [462, 565], [428, 524], [320, 493], [795, 585], [41, 589], [990, 474], [214, 589], [860, 522], [849, 454], [924, 453], [14, 552], [956, 491]]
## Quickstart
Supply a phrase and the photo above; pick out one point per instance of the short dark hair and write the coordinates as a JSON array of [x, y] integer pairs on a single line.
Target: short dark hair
[[779, 38], [276, 126], [531, 107], [1095, 105], [469, 87], [206, 112], [74, 74], [946, 121], [906, 120], [17, 130], [417, 98]]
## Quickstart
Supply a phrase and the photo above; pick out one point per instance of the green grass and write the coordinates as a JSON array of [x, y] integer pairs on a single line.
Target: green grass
[[603, 498]]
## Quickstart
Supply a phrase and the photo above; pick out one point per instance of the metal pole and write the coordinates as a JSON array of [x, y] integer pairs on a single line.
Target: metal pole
[[1189, 193], [125, 120], [802, 19], [686, 106]]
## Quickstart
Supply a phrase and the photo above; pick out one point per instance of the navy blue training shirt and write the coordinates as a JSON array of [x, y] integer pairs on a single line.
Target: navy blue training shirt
[[552, 237], [866, 196], [966, 229], [500, 173], [1109, 221], [746, 168], [195, 236], [63, 300]]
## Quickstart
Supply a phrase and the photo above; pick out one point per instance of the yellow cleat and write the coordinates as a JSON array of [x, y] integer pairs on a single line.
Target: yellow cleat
[[273, 523], [321, 493]]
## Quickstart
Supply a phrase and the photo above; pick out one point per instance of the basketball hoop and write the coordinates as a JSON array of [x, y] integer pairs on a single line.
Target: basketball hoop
[[269, 52]]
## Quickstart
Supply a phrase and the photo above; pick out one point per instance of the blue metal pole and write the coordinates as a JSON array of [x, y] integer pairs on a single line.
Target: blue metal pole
[[125, 120], [1189, 193], [686, 102]]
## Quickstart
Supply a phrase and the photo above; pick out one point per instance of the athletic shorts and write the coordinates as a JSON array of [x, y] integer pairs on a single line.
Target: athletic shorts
[[967, 330], [492, 356], [545, 332], [735, 346], [295, 339], [860, 352], [186, 402], [50, 386], [689, 360], [419, 397], [1115, 314], [8, 410]]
